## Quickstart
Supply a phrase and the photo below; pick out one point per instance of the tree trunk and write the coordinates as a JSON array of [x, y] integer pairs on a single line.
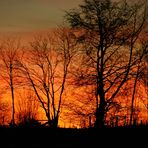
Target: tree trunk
[[132, 105], [13, 108], [54, 122], [12, 95], [100, 112]]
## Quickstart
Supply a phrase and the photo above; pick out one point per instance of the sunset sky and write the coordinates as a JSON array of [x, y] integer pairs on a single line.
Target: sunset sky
[[30, 15], [50, 74]]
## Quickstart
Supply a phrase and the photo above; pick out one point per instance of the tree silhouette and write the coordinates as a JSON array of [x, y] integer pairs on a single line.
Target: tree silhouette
[[10, 52], [108, 32], [46, 70]]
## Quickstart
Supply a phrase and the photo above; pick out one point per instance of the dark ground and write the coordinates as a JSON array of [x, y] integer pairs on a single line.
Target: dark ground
[[99, 138]]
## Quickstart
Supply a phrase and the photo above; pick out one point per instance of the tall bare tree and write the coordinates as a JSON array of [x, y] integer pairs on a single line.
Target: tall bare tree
[[108, 32], [46, 69], [10, 51]]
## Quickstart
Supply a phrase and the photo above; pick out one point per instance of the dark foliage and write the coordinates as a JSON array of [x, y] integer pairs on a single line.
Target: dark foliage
[[29, 122]]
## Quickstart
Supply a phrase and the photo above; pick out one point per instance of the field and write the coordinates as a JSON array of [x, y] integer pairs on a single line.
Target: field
[[44, 137]]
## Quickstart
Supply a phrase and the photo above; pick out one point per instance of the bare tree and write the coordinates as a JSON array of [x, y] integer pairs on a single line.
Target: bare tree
[[10, 51], [46, 69], [108, 32]]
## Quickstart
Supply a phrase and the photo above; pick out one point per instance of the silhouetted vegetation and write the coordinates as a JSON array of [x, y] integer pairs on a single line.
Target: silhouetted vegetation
[[47, 137], [109, 36], [82, 84]]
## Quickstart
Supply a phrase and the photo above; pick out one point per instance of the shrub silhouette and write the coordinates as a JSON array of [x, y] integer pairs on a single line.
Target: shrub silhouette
[[29, 122]]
